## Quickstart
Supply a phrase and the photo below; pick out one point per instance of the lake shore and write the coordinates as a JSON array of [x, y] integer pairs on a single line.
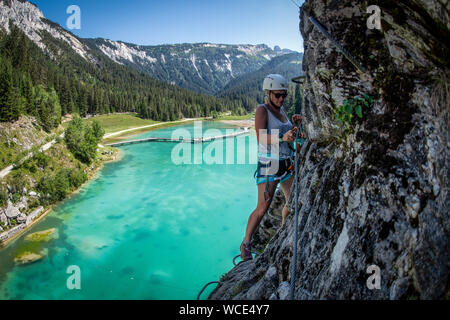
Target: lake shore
[[117, 155], [92, 174], [126, 134], [95, 227]]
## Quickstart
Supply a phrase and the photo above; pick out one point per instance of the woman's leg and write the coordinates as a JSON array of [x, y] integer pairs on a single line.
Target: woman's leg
[[286, 186], [261, 209]]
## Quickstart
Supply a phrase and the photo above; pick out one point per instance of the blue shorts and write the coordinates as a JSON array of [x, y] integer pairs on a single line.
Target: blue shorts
[[284, 172]]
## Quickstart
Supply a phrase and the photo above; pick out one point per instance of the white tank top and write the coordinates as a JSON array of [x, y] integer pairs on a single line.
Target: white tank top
[[275, 126]]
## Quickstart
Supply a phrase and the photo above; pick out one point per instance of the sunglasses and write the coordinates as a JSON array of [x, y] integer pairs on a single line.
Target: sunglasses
[[279, 95]]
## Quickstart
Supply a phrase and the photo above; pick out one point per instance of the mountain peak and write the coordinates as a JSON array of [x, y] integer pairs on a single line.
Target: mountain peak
[[30, 19], [202, 67]]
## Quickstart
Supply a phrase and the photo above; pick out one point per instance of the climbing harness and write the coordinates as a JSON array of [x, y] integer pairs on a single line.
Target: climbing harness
[[337, 45], [285, 167]]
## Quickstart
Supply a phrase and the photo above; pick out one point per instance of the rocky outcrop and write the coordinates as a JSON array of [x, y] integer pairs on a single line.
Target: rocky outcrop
[[30, 257], [33, 215], [22, 220], [11, 211], [270, 224], [3, 218], [374, 197], [43, 236]]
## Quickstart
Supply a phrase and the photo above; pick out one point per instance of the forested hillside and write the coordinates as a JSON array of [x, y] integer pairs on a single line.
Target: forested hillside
[[48, 85], [47, 72], [248, 88]]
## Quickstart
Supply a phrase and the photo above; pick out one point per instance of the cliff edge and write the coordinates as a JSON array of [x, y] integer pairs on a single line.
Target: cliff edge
[[374, 194]]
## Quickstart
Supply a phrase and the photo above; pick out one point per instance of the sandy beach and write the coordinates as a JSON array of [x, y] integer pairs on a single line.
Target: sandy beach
[[240, 123]]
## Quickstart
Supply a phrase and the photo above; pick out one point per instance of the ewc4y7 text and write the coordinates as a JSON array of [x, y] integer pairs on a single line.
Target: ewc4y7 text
[[226, 309]]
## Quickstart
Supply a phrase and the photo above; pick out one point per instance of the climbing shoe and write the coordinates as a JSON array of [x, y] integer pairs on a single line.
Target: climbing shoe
[[246, 251]]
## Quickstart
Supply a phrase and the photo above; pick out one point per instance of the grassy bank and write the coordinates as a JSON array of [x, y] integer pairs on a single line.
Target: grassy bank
[[156, 126], [19, 138], [245, 117], [118, 122]]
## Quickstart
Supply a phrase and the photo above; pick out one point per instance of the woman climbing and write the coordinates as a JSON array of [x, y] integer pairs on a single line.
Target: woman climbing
[[275, 133]]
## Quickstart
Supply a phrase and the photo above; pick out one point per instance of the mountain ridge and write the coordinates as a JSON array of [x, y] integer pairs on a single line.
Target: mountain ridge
[[29, 18], [44, 75], [203, 67]]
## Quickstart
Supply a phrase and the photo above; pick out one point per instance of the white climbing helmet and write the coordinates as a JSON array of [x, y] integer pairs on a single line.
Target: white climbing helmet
[[275, 82]]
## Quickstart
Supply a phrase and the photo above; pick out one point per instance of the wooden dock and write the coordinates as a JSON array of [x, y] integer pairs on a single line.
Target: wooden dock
[[192, 141]]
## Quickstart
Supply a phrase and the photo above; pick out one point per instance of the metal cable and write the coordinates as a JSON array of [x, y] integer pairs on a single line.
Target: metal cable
[[338, 45], [206, 286], [294, 258]]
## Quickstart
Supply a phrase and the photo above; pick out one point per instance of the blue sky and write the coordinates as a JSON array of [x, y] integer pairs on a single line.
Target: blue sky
[[149, 22]]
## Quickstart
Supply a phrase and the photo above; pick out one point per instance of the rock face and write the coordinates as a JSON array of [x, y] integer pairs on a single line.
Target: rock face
[[270, 224], [377, 195]]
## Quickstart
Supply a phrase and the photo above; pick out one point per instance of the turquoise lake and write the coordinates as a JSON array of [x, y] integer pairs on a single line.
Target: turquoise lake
[[145, 228]]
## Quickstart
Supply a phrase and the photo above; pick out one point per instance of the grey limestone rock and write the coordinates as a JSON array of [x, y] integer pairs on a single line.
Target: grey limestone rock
[[11, 211], [376, 195], [3, 218]]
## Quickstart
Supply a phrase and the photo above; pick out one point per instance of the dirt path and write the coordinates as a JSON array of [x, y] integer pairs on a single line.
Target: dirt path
[[7, 170], [113, 134], [45, 147]]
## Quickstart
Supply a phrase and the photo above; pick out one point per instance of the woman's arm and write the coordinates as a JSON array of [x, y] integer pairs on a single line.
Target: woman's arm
[[261, 126]]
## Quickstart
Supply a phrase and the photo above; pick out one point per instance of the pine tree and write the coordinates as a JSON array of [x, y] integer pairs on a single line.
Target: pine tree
[[40, 105], [65, 95], [55, 111], [9, 108], [83, 103], [98, 130], [27, 93]]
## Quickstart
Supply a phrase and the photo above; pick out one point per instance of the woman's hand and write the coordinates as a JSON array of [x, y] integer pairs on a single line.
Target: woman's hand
[[297, 119], [289, 136]]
